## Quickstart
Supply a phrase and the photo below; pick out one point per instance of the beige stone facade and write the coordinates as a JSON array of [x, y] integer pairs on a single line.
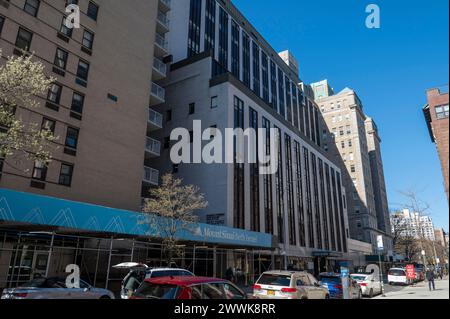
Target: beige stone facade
[[108, 161]]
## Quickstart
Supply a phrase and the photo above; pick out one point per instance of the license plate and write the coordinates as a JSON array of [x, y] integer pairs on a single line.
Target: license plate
[[270, 293]]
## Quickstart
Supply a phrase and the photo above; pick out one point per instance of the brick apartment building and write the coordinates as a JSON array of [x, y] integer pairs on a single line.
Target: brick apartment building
[[436, 115]]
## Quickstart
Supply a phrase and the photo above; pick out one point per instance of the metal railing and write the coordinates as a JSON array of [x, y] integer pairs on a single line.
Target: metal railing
[[159, 66], [151, 175], [153, 146], [155, 118], [160, 41], [158, 91], [162, 18]]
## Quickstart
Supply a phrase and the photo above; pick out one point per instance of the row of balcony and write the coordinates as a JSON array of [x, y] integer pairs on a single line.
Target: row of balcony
[[158, 94]]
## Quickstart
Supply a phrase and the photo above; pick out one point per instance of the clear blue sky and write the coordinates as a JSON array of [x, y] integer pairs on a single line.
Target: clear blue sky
[[390, 68]]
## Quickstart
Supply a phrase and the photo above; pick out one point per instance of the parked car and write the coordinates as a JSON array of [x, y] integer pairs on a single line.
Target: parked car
[[139, 272], [55, 288], [288, 285], [333, 282], [369, 283], [186, 287], [420, 273], [397, 276]]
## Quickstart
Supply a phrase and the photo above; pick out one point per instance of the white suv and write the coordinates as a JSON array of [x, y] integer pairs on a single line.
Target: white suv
[[139, 272]]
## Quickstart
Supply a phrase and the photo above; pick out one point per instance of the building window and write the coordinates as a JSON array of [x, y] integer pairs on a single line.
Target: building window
[[175, 168], [324, 205], [254, 176], [350, 143], [238, 190], [77, 102], [32, 7], [353, 168], [235, 49], [279, 184], [168, 115], [282, 107], [331, 214], [54, 93], [223, 38], [23, 40], [65, 175], [88, 39], [349, 130], [61, 58], [40, 171], [191, 108], [441, 112], [256, 71], [2, 21], [214, 102], [246, 59], [318, 220], [48, 125], [65, 29], [290, 191], [72, 137], [288, 99], [195, 20], [336, 208], [83, 70], [265, 76], [307, 174], [92, 11], [268, 198], [210, 25]]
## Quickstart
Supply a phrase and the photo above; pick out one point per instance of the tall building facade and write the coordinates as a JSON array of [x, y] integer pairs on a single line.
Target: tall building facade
[[354, 143], [440, 236], [98, 106], [413, 224], [224, 74], [436, 115]]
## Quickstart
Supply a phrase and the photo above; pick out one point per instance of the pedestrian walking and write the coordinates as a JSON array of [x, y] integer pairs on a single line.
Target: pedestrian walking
[[430, 278]]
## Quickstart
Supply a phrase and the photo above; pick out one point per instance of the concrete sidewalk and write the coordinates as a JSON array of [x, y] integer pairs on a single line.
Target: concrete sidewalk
[[421, 291]]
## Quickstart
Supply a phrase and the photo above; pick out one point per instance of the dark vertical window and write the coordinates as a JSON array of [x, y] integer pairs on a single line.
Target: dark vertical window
[[280, 188], [92, 11], [265, 76], [316, 201], [65, 175], [256, 71], [32, 7], [246, 59], [194, 27], [301, 104], [307, 121], [324, 205], [273, 85], [39, 171], [290, 191], [254, 177], [210, 25], [295, 105], [239, 199], [331, 220], [288, 99], [336, 209], [341, 211], [23, 40], [308, 199], [282, 106], [223, 38], [268, 199], [2, 21], [316, 118], [235, 49], [313, 124], [300, 204]]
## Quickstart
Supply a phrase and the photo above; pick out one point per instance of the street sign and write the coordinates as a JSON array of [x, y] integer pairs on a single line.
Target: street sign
[[410, 272], [380, 244]]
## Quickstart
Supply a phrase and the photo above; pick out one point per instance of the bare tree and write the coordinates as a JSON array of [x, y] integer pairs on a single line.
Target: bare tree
[[170, 210]]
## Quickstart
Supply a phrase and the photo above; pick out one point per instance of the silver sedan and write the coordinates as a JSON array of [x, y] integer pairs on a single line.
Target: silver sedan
[[55, 288]]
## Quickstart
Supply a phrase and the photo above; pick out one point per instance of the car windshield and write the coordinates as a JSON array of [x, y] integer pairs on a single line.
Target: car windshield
[[275, 280], [396, 272], [359, 277], [155, 291]]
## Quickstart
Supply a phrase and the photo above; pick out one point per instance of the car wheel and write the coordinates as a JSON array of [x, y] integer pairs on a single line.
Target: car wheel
[[360, 294], [327, 296], [371, 293], [105, 297]]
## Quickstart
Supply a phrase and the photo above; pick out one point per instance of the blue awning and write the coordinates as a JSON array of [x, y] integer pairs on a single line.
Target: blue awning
[[27, 208]]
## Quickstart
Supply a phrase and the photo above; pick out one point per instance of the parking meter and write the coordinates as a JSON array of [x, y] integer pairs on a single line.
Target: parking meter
[[345, 282]]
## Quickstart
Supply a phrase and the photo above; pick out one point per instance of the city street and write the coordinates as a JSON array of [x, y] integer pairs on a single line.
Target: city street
[[417, 291]]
